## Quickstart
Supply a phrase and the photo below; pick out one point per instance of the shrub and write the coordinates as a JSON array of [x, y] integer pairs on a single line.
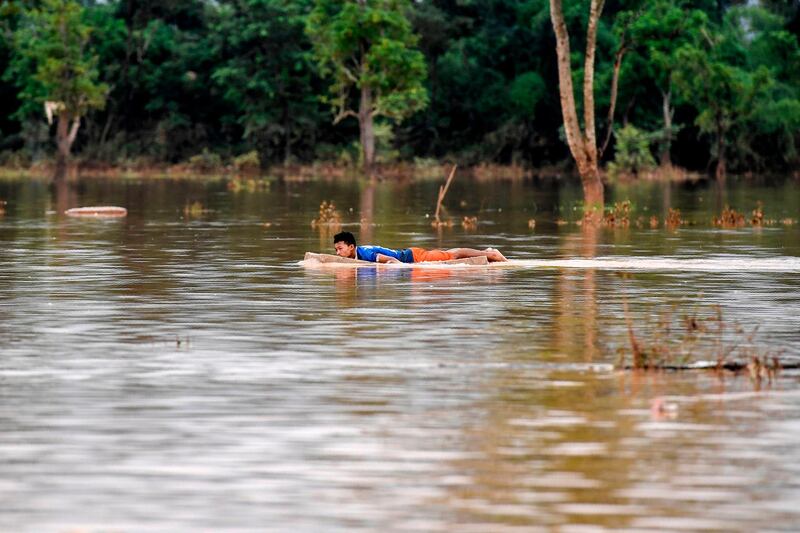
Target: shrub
[[249, 162], [205, 161], [632, 152], [16, 160], [385, 152]]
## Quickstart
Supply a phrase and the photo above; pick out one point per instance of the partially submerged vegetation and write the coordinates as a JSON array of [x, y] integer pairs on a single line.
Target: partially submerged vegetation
[[329, 217], [729, 218], [698, 339], [620, 214], [194, 209]]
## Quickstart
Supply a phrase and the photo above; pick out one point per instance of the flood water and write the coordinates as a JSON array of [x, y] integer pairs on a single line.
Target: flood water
[[177, 370]]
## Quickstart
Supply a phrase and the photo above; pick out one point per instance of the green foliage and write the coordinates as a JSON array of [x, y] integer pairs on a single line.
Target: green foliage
[[265, 72], [526, 92], [650, 35], [51, 61], [205, 162], [741, 100], [385, 152], [18, 160], [248, 162], [233, 76], [632, 154], [369, 44]]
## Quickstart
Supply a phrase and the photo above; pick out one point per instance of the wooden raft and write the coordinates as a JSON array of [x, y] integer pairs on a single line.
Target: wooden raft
[[330, 259]]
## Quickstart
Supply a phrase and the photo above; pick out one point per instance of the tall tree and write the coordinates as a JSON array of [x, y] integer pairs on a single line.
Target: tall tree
[[582, 143], [367, 47], [265, 73], [661, 28], [55, 68], [735, 98]]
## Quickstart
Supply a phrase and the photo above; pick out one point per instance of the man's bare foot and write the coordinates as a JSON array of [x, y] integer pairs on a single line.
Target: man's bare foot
[[494, 255]]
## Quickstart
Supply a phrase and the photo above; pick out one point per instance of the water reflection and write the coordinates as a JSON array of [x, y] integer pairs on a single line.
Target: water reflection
[[182, 373], [576, 330]]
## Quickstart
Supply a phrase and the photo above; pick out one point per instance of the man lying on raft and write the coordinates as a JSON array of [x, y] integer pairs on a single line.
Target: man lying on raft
[[345, 245]]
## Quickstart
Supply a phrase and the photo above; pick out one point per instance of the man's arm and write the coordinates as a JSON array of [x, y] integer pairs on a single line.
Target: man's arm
[[380, 258]]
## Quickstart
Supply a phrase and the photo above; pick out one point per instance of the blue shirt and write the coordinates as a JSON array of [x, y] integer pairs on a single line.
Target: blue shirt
[[370, 253]]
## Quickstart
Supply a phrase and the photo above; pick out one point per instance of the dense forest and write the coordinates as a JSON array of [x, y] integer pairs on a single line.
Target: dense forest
[[125, 82]]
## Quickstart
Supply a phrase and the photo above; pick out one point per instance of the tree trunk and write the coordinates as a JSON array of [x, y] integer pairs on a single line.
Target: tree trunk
[[721, 167], [590, 145], [287, 129], [721, 170], [592, 192], [65, 136], [666, 143], [582, 145], [366, 128]]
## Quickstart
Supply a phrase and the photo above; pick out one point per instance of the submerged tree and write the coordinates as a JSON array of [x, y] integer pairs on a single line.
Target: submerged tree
[[367, 47], [582, 143], [54, 68]]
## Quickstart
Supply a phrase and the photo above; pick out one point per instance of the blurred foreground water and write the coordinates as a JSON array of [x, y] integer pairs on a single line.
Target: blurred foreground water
[[176, 370]]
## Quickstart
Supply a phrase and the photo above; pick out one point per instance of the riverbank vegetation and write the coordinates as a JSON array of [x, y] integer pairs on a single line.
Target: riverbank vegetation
[[247, 84]]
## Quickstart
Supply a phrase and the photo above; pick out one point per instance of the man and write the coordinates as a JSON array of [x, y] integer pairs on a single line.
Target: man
[[345, 245]]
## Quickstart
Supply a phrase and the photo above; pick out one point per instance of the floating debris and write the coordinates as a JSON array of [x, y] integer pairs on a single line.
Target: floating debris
[[104, 211], [661, 409]]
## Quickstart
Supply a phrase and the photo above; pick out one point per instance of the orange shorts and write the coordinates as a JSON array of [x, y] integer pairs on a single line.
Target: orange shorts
[[421, 255]]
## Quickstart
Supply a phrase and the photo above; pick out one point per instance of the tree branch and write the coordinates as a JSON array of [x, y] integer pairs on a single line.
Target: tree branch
[[613, 104], [73, 131], [343, 114], [352, 77], [442, 193]]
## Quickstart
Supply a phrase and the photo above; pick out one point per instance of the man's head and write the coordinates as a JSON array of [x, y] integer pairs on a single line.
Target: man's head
[[345, 244]]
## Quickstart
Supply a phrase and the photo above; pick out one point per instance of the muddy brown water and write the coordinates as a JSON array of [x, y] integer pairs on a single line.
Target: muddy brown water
[[176, 370]]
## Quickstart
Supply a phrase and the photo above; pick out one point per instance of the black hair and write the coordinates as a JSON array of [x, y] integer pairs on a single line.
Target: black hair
[[345, 237]]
